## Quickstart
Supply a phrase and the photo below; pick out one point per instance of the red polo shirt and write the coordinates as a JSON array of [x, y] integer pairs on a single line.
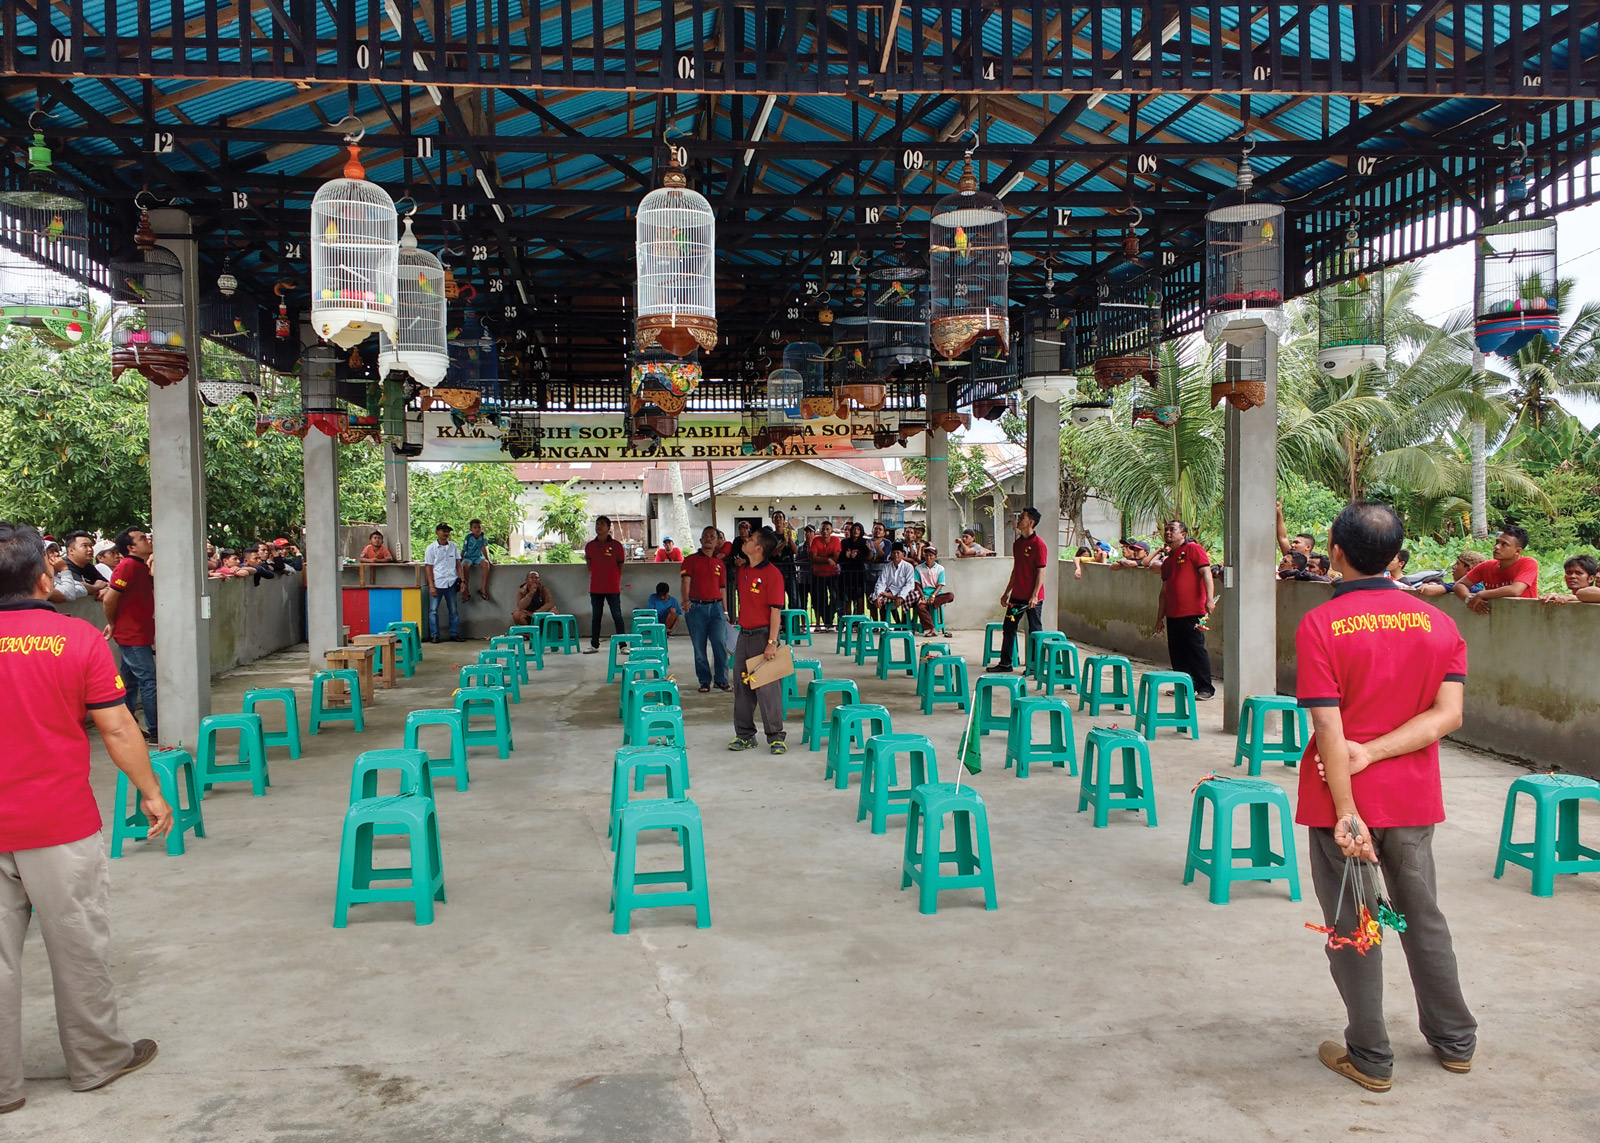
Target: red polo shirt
[[1524, 569], [135, 625], [760, 588], [1180, 576], [53, 669], [604, 558], [821, 547], [670, 555], [1379, 654], [1028, 555], [708, 575]]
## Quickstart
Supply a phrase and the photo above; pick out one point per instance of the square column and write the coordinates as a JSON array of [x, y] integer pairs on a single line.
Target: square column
[[397, 503], [1249, 592], [937, 492], [324, 604], [178, 519], [1044, 492]]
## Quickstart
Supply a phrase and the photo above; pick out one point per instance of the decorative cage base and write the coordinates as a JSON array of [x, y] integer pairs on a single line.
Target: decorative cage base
[[649, 426], [159, 364], [217, 394], [870, 397], [1089, 412], [425, 367], [1245, 326], [680, 335], [1164, 415], [992, 408], [813, 408], [658, 401], [329, 424], [901, 362], [347, 326], [291, 425], [1242, 395], [953, 336], [1508, 334], [61, 326], [1112, 371], [1347, 360], [461, 400], [950, 422], [356, 433]]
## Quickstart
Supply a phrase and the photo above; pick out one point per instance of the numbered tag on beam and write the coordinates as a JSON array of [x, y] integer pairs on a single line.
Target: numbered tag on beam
[[871, 215]]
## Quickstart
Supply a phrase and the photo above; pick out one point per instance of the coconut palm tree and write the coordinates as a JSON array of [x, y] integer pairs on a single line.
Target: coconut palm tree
[[1541, 376]]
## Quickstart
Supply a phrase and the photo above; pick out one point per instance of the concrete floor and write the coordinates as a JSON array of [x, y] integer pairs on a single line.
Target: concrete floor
[[1103, 999]]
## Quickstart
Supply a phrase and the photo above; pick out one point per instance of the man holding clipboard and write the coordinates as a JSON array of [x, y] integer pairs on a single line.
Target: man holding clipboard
[[761, 600]]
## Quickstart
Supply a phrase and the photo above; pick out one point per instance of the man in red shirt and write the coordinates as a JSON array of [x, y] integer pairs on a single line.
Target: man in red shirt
[[1188, 594], [704, 578], [130, 605], [668, 552], [604, 557], [824, 552], [1510, 575], [1383, 674], [761, 601], [1024, 593], [56, 672]]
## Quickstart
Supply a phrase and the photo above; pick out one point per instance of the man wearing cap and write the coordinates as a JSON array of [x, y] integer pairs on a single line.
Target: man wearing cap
[[443, 561], [668, 552]]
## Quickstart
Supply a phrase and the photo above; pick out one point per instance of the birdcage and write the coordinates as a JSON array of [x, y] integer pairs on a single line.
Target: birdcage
[[1244, 375], [1244, 265], [676, 295], [462, 386], [153, 338], [810, 360], [418, 347], [1128, 329], [320, 405], [897, 316], [1517, 296], [854, 381], [522, 435], [1049, 342], [785, 390], [661, 383], [969, 264], [1350, 334], [45, 227], [230, 349], [354, 257]]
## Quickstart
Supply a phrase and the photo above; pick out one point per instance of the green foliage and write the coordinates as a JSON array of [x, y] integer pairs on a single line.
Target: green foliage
[[562, 553], [1574, 515], [461, 492], [565, 513], [1308, 507]]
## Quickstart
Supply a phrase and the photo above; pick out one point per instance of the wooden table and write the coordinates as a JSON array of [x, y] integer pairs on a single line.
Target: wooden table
[[367, 574], [358, 659], [390, 642]]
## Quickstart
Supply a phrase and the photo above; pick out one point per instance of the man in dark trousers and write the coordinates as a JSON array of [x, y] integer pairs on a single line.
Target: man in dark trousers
[[761, 603], [1384, 675], [1188, 593], [56, 673], [1024, 592], [604, 557]]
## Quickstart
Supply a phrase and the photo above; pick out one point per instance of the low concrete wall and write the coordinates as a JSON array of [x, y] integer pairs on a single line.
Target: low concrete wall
[[248, 620], [1531, 681]]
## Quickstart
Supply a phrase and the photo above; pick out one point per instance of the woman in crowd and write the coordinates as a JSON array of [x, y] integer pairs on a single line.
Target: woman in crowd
[[854, 553]]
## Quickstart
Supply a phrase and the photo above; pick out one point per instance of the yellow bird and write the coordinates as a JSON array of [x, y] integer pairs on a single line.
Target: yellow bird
[[331, 232], [427, 286], [57, 227], [961, 239]]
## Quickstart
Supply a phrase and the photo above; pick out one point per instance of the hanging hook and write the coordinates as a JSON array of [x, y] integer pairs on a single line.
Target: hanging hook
[[283, 287], [407, 198], [360, 134], [38, 111], [154, 201], [973, 130], [1248, 145], [1138, 215]]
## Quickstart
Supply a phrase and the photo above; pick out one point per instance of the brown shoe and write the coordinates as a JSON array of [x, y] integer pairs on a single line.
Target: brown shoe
[[143, 1052], [14, 1106], [1336, 1059], [1460, 1067]]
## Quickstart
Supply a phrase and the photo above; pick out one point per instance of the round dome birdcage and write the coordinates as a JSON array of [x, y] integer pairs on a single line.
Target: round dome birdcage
[[419, 347], [785, 389], [355, 250], [675, 248], [46, 226], [897, 317], [969, 267], [153, 338], [230, 350], [1517, 298], [810, 360], [1244, 375], [1128, 328], [1350, 311], [1244, 265]]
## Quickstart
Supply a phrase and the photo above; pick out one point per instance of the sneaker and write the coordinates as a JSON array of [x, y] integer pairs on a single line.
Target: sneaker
[[742, 744], [143, 1052], [1205, 696], [1335, 1058], [591, 650], [999, 669], [778, 747], [1460, 1067]]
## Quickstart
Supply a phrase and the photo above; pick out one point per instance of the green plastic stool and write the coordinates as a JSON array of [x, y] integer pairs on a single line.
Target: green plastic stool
[[849, 637], [796, 627], [1036, 640], [411, 633], [943, 679], [793, 701], [290, 734], [508, 660], [1253, 745], [652, 634], [411, 765], [561, 633], [642, 615], [819, 721], [1218, 862], [632, 673], [880, 798], [517, 647], [867, 642], [635, 763], [888, 660], [614, 650], [1061, 749], [853, 723], [174, 771], [993, 635], [1137, 789], [657, 722], [410, 815], [490, 675], [648, 692], [321, 712], [1095, 692], [924, 860], [453, 764], [470, 700], [986, 719], [681, 816], [252, 766], [1058, 665], [1148, 715], [533, 640], [937, 647], [1555, 847]]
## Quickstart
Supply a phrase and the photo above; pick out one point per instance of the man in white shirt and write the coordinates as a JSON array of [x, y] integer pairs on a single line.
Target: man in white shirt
[[897, 584], [443, 561], [931, 590]]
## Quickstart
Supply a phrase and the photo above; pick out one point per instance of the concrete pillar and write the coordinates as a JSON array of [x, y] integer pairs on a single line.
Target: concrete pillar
[[1249, 593], [397, 503], [997, 509], [324, 610], [937, 492], [1044, 491], [178, 520]]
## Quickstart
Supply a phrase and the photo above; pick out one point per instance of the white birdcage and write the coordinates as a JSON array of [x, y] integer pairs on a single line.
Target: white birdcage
[[1350, 311], [1517, 297], [676, 294], [154, 338], [785, 388], [354, 257], [969, 268], [1244, 265], [45, 225], [419, 347]]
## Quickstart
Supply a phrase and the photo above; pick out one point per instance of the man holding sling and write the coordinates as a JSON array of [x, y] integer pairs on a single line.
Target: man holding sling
[[761, 602]]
